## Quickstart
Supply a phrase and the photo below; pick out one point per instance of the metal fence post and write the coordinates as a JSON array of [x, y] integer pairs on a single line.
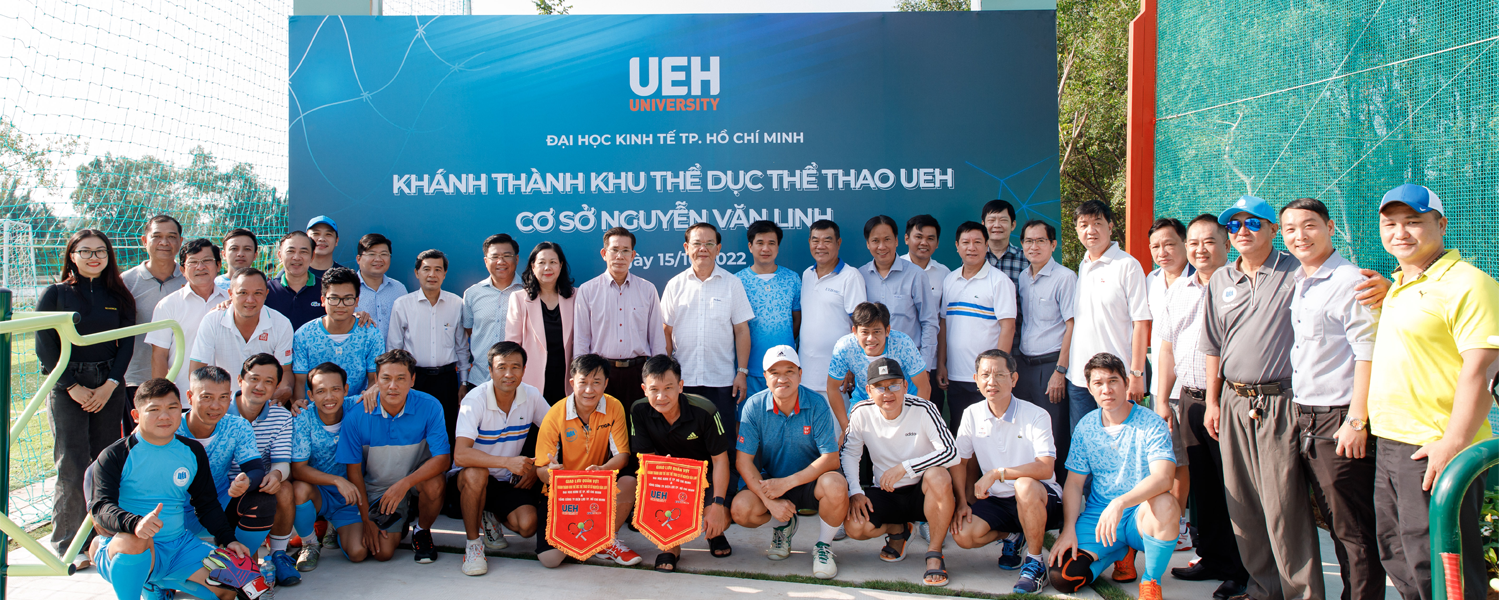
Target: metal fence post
[[5, 312], [1446, 530]]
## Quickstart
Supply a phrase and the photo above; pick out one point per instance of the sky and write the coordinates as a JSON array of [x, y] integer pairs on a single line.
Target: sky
[[159, 78]]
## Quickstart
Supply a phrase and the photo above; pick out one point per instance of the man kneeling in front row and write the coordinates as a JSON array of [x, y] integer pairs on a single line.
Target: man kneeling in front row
[[911, 448], [1016, 497], [788, 458], [1125, 451], [139, 491]]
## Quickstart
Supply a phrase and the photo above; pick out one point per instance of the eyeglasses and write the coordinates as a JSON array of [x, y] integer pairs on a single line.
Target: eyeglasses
[[377, 254], [100, 253], [193, 264], [701, 245], [506, 257], [1034, 241], [890, 389], [1253, 223], [343, 300]]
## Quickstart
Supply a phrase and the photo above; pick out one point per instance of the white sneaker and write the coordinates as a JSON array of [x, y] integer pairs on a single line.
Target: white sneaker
[[494, 535], [823, 566], [841, 535], [924, 530], [474, 562], [1184, 536], [780, 541]]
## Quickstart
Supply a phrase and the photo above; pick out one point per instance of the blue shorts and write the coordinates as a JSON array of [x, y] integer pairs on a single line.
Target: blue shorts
[[175, 560], [1125, 537], [335, 509]]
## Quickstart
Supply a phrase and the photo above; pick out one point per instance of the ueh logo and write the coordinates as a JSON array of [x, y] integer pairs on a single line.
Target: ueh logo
[[674, 76]]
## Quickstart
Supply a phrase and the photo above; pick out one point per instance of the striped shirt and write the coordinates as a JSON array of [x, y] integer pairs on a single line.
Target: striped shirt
[[274, 429], [219, 343], [974, 310], [1181, 326], [618, 321], [496, 432], [918, 439], [378, 303]]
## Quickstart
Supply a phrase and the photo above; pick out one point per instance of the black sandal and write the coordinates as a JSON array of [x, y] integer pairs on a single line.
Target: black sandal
[[666, 562], [941, 571], [888, 553], [720, 546]]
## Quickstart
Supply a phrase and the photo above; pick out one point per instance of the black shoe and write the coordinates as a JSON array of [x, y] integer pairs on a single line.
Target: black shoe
[[422, 546], [1198, 572], [1228, 589]]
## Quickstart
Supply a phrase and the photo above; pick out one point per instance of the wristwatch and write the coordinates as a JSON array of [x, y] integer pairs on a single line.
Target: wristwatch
[[743, 371], [719, 500], [1356, 424], [1136, 373], [1062, 369]]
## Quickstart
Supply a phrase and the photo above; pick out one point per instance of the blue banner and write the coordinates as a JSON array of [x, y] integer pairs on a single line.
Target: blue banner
[[439, 131]]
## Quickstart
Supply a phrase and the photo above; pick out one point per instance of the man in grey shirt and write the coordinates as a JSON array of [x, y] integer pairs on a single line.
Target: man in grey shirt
[[1247, 337], [1331, 361], [149, 282]]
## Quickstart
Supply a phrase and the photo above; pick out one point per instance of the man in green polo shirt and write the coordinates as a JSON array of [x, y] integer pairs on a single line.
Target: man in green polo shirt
[[1428, 395]]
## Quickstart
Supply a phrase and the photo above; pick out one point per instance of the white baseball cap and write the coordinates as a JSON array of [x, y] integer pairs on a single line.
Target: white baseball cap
[[781, 353]]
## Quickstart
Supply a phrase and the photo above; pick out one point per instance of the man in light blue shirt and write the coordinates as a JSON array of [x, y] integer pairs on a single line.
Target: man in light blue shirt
[[1331, 367], [775, 294], [377, 293], [901, 286], [1047, 293], [485, 303], [337, 337]]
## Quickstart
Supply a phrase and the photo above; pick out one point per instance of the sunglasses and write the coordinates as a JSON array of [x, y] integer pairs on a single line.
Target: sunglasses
[[1253, 223]]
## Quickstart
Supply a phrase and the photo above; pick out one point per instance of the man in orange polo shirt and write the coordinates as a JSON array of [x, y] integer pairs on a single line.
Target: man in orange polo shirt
[[587, 431]]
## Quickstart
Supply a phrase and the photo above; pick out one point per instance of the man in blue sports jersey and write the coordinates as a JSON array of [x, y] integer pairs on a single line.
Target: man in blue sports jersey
[[397, 456], [337, 337], [1124, 450], [319, 484], [228, 443], [139, 490], [259, 378]]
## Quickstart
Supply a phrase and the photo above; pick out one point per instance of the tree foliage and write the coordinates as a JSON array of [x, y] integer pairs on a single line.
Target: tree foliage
[[27, 164], [932, 5], [552, 7], [1092, 73]]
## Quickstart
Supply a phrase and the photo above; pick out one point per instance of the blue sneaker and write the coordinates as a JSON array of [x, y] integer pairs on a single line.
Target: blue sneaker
[[1009, 553], [153, 592], [286, 569], [1032, 577]]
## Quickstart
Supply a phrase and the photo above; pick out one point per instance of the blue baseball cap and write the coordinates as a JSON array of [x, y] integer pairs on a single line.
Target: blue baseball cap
[[1418, 197], [322, 220], [1250, 204]]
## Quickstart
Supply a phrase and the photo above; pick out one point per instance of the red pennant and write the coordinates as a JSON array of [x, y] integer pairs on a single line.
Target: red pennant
[[669, 500], [580, 512]]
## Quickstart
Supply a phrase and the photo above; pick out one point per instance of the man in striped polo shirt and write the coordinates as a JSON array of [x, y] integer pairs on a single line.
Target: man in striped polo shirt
[[978, 315], [493, 479]]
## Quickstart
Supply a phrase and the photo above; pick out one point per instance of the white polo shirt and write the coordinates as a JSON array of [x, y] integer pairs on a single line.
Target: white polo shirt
[[218, 342], [1110, 298], [1156, 297], [973, 309], [494, 431], [936, 273], [187, 308], [1017, 438], [702, 315], [827, 303]]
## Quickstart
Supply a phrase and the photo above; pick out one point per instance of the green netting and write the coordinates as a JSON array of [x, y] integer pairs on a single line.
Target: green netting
[[1338, 100]]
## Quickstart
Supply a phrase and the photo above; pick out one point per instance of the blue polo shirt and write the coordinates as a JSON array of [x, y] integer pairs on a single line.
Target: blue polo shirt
[[784, 444], [298, 307], [391, 447]]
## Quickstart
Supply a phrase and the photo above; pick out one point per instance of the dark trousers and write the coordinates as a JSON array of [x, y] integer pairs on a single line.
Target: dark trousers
[[1402, 511], [1344, 491], [1215, 541], [728, 414], [126, 419], [1035, 374], [1269, 498], [442, 383], [624, 380], [960, 396], [79, 437]]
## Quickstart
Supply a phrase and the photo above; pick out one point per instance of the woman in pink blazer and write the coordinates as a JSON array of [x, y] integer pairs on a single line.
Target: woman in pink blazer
[[540, 319]]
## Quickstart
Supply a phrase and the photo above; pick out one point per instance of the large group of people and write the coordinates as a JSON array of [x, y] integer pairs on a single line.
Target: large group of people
[[992, 402]]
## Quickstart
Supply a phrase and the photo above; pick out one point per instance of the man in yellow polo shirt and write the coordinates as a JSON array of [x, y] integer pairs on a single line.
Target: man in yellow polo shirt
[[587, 431], [1428, 397]]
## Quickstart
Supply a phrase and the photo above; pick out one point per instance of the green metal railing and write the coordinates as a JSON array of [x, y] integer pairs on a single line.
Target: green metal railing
[[62, 322], [1446, 501]]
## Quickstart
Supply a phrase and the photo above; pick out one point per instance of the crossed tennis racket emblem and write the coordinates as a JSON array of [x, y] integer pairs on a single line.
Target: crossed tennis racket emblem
[[665, 517], [580, 529]]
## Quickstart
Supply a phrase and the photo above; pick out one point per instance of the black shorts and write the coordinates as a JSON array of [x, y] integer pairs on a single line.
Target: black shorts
[[1003, 515], [804, 497], [904, 505], [501, 497]]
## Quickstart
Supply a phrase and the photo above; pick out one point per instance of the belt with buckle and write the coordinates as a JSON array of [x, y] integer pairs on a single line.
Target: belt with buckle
[[1309, 409], [451, 367], [625, 363], [1195, 393], [1257, 390]]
